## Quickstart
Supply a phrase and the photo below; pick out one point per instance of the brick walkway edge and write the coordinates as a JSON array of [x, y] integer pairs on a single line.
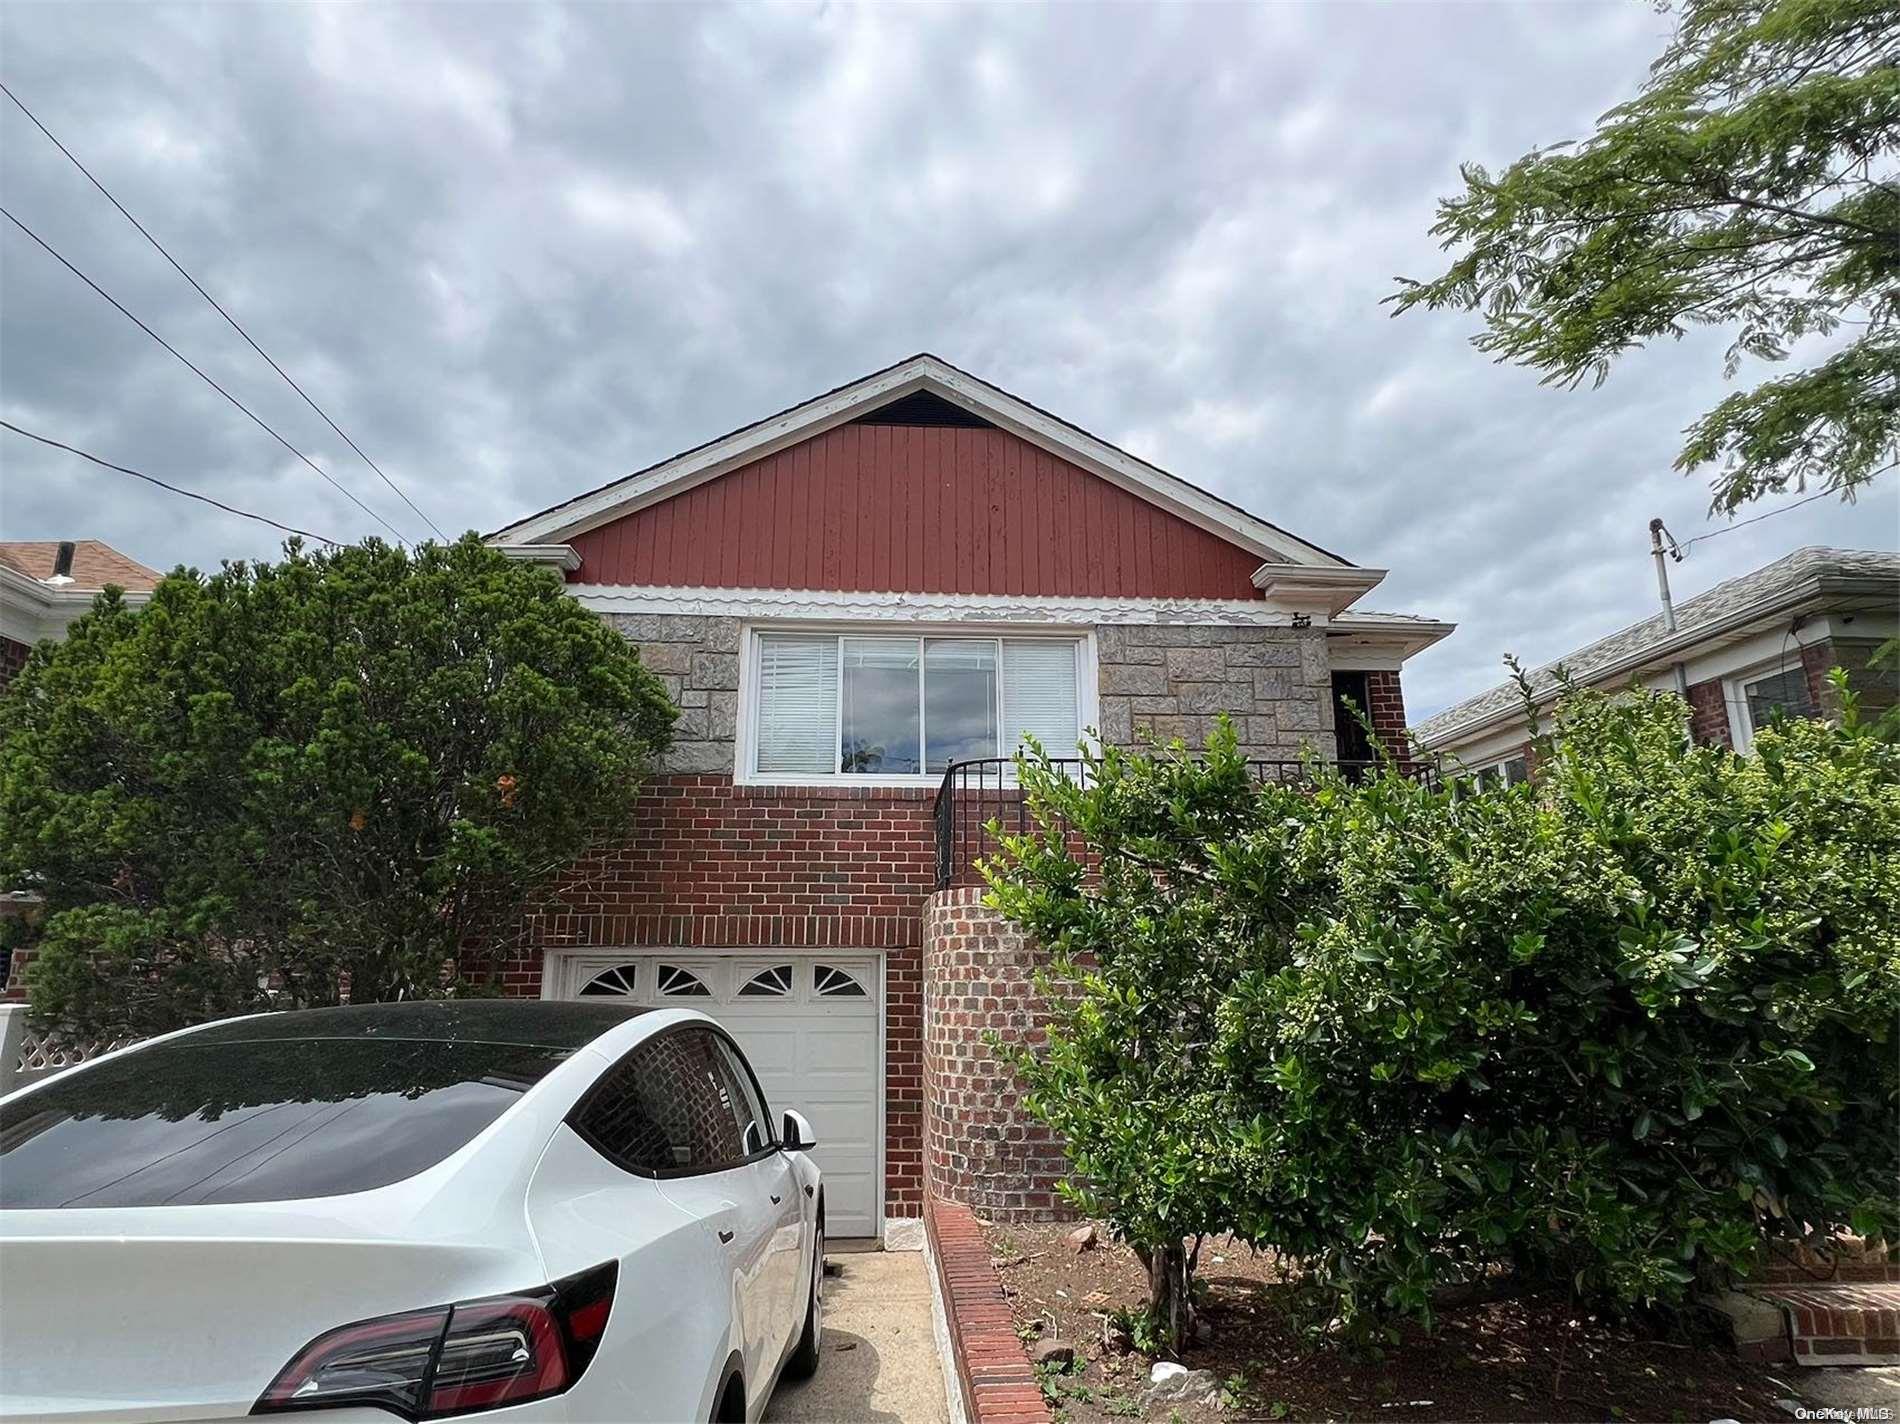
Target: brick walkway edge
[[993, 1370]]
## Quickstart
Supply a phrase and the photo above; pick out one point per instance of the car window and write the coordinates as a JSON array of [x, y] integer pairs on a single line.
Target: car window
[[667, 1107], [755, 1119], [212, 1120]]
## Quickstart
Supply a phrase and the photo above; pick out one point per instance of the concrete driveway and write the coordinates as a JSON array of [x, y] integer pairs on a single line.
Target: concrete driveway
[[879, 1363]]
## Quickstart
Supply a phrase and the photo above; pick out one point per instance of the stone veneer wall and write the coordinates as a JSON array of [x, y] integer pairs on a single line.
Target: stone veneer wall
[[1173, 680], [981, 1148], [1159, 680], [697, 660]]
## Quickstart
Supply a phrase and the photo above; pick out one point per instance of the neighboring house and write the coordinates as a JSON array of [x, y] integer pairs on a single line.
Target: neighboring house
[[45, 584], [847, 600], [1750, 647]]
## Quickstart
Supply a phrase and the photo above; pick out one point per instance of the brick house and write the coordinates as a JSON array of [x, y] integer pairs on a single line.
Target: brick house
[[860, 605], [1749, 648], [46, 583]]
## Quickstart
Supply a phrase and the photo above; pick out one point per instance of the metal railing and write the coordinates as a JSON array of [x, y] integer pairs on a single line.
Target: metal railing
[[977, 792]]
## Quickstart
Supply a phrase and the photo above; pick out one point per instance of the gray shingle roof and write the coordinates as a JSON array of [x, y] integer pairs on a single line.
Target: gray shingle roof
[[1763, 589]]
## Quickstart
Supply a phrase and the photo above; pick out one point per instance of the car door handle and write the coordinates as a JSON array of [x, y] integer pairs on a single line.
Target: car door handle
[[725, 1237], [776, 1198]]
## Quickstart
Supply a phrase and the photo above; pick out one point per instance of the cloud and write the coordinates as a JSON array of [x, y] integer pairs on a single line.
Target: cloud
[[519, 251]]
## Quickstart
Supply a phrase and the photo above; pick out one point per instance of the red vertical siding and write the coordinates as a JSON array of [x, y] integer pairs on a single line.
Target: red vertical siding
[[916, 509]]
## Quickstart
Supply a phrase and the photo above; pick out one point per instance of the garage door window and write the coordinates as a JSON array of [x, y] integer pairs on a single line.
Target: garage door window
[[621, 981], [671, 1108], [679, 983], [774, 982], [830, 983]]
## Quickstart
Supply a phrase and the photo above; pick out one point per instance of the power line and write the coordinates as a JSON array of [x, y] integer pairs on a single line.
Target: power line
[[201, 375], [1682, 549], [221, 311], [175, 489]]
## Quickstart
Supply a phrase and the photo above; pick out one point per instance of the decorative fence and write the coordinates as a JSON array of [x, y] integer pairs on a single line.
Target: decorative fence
[[29, 1051]]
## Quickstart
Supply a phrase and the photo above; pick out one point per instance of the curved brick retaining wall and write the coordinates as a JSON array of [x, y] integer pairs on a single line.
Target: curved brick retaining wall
[[981, 1149]]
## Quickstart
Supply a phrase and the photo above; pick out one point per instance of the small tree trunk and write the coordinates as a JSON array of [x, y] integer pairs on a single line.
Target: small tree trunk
[[1169, 1298]]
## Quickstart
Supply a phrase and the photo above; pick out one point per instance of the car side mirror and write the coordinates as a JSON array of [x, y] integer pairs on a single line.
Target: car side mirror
[[797, 1135]]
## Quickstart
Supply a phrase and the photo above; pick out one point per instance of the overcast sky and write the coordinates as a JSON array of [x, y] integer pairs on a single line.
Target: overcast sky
[[517, 252]]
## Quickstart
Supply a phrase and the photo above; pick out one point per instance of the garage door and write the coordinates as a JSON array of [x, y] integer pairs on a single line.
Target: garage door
[[809, 1026]]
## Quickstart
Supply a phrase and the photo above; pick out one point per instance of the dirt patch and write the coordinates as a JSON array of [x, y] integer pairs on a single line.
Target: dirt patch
[[1511, 1359]]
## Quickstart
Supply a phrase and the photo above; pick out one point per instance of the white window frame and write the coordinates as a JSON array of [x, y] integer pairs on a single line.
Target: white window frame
[[746, 743], [1496, 770], [1741, 724]]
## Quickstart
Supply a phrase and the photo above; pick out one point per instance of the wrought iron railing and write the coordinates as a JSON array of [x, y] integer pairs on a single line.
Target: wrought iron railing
[[975, 793]]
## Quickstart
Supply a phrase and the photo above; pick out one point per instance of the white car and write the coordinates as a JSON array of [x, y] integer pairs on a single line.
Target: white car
[[475, 1208]]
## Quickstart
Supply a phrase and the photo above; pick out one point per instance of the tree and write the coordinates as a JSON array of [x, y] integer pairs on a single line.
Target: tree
[[1619, 1029], [341, 775], [1751, 184]]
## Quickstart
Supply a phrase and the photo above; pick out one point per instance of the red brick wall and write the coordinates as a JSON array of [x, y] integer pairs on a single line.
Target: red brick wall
[[1387, 712], [1708, 714], [983, 1149], [707, 864], [12, 659]]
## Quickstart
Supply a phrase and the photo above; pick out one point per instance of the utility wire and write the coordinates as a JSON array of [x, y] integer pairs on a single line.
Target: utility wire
[[154, 480], [1680, 550], [201, 375], [221, 311]]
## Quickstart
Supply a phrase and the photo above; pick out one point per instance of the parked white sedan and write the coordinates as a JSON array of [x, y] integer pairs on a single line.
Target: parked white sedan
[[525, 1210]]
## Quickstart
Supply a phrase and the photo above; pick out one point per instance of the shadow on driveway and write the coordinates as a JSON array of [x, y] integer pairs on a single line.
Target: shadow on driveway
[[879, 1363]]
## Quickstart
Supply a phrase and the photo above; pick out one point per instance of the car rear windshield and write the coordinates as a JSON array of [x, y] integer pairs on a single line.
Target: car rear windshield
[[230, 1116]]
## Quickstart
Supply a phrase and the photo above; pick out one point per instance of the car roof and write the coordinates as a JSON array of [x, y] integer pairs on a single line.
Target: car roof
[[530, 1022]]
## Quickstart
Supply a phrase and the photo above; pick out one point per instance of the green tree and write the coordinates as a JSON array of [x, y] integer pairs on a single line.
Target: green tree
[[1619, 1028], [283, 784], [1751, 185]]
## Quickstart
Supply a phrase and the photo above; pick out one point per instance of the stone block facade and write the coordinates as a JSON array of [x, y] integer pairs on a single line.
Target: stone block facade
[[1169, 681], [1156, 680], [982, 1149], [696, 659]]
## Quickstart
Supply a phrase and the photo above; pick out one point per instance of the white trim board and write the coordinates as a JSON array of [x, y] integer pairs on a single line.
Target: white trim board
[[922, 372], [830, 605]]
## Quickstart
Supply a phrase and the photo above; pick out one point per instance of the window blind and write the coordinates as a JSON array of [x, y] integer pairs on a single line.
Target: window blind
[[798, 705], [1039, 695]]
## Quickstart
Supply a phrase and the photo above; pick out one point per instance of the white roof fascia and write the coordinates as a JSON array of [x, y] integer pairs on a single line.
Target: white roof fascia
[[803, 422]]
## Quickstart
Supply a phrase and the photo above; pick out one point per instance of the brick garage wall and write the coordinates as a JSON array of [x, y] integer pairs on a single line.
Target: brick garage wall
[[1708, 714], [12, 659], [982, 1148], [1172, 680], [707, 864]]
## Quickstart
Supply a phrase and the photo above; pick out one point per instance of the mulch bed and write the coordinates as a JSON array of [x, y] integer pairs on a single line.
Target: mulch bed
[[1517, 1358]]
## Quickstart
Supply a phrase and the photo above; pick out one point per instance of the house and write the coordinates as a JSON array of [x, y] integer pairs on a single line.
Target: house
[[861, 605], [46, 584], [1748, 648]]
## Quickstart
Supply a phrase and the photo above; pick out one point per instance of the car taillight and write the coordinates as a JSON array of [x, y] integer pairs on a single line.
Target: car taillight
[[478, 1354]]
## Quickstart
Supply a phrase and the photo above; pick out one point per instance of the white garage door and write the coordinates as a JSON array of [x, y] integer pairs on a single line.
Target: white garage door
[[809, 1026]]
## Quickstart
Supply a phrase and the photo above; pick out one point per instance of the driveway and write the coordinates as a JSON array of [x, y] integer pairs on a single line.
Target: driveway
[[879, 1364]]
